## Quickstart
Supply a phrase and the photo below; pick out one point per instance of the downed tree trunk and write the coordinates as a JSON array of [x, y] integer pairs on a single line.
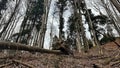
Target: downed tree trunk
[[18, 46]]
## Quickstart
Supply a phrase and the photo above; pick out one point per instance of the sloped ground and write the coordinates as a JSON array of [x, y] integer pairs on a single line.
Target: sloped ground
[[110, 58]]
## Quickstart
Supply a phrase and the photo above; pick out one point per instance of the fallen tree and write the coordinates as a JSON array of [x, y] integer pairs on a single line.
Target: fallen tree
[[18, 46]]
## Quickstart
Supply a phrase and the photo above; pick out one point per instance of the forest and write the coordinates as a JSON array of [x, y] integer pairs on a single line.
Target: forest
[[59, 33]]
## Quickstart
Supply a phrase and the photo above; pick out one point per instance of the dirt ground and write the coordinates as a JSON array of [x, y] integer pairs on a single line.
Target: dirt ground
[[108, 56]]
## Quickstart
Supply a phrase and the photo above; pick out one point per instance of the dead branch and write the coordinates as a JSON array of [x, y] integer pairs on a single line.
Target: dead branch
[[4, 65], [18, 46], [115, 63], [117, 44], [23, 63]]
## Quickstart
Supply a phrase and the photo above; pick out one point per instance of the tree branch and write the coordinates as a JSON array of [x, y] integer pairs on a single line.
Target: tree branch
[[23, 63]]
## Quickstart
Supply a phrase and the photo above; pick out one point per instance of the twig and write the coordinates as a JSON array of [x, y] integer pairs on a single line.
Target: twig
[[4, 65], [23, 63], [115, 63]]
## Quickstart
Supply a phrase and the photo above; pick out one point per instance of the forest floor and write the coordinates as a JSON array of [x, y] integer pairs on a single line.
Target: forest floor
[[110, 58]]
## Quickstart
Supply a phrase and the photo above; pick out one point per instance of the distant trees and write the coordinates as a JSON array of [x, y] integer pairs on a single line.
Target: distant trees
[[31, 24], [76, 30], [112, 15]]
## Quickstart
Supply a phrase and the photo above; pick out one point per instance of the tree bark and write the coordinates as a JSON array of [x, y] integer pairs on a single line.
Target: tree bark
[[44, 23], [18, 46]]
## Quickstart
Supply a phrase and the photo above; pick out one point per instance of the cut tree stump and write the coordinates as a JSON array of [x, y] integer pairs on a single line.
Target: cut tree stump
[[18, 46]]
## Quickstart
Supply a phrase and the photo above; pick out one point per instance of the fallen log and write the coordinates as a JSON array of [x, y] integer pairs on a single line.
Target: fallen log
[[18, 46]]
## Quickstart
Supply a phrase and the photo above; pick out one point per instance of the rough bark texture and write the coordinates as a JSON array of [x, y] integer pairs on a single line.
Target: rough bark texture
[[18, 46]]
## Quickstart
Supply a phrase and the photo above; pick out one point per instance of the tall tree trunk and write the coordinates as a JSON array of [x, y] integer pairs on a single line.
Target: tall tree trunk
[[78, 25], [116, 14], [44, 23], [92, 31], [61, 18], [116, 4], [11, 18]]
